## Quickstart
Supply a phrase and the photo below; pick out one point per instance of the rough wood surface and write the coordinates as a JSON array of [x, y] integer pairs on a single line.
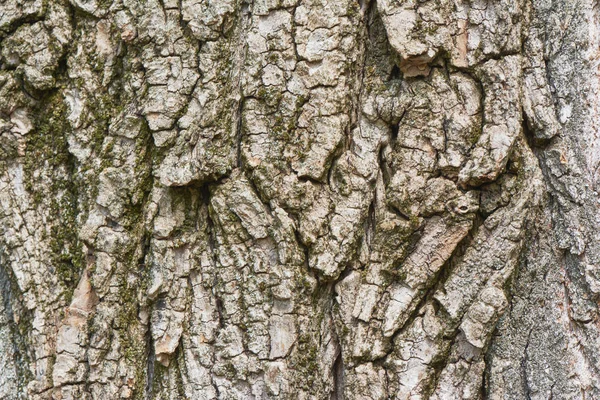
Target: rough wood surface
[[308, 199]]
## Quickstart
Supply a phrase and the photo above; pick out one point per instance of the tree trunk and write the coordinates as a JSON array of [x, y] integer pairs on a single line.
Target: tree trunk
[[221, 199]]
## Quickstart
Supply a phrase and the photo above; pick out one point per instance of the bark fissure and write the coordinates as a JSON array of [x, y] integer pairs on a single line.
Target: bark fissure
[[298, 199]]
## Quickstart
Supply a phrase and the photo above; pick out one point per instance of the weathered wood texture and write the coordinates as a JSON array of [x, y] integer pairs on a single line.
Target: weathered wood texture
[[310, 199]]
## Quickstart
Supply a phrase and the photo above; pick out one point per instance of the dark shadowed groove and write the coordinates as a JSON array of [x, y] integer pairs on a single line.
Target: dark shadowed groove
[[150, 361], [338, 377]]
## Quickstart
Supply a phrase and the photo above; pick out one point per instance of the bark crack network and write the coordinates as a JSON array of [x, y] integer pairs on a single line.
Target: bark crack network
[[298, 199]]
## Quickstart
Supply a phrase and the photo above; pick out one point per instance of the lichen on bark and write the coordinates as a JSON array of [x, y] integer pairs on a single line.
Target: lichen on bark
[[303, 199]]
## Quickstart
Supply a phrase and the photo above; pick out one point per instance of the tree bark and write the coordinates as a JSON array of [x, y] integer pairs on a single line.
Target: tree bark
[[310, 199]]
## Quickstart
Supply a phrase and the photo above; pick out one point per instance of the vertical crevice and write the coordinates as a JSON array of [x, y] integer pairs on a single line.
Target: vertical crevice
[[242, 49], [484, 384], [210, 229], [238, 133], [394, 129], [150, 362], [338, 377], [523, 366]]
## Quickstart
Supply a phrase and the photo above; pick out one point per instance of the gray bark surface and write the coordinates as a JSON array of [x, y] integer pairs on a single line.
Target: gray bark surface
[[309, 199]]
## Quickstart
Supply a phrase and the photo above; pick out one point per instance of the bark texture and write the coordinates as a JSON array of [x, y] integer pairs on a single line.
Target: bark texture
[[299, 199]]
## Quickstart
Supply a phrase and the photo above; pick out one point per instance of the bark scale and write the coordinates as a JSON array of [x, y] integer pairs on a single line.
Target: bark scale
[[306, 199]]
